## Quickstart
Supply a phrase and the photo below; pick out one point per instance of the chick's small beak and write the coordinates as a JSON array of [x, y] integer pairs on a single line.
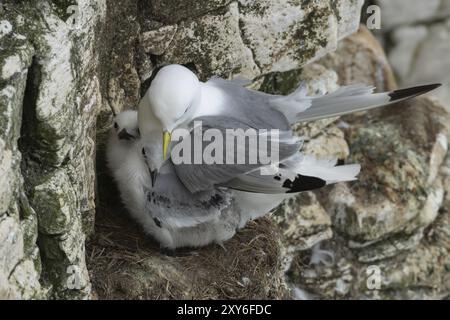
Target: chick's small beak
[[166, 142], [153, 176], [124, 135]]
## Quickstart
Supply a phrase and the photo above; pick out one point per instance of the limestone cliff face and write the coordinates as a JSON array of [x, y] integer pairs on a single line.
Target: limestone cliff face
[[67, 66], [50, 97]]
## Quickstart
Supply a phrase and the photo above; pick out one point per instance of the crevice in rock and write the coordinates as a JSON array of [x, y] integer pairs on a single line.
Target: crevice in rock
[[30, 170], [191, 66], [14, 268], [26, 142], [154, 60]]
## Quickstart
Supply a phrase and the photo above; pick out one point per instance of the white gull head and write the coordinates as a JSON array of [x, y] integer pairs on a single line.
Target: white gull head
[[172, 91]]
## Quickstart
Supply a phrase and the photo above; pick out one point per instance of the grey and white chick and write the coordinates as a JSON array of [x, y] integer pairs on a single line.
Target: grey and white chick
[[126, 160]]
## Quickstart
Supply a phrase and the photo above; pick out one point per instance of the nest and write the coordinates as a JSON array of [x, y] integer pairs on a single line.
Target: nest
[[125, 264]]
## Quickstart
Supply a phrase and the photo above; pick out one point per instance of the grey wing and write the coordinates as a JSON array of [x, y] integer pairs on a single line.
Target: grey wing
[[255, 108], [282, 111], [245, 109], [171, 205], [203, 176]]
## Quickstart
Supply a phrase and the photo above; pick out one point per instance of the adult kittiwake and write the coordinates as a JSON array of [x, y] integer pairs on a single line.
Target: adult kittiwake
[[200, 191]]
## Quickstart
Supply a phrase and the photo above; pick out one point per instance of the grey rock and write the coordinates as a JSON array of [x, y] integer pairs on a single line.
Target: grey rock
[[405, 192], [203, 41], [391, 225], [50, 95], [401, 12], [55, 203], [418, 56], [157, 41], [175, 10], [303, 221], [286, 34], [421, 273], [12, 251], [249, 39], [360, 58], [390, 228]]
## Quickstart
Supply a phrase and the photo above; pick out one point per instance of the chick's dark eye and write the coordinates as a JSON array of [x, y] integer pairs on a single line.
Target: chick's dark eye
[[116, 126], [143, 151]]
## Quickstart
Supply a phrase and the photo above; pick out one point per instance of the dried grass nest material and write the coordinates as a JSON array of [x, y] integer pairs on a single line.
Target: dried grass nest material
[[125, 264]]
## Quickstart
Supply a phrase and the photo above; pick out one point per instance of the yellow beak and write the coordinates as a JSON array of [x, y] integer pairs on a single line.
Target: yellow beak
[[166, 142]]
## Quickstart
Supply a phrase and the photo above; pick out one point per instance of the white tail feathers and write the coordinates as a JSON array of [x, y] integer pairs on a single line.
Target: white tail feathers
[[301, 173], [327, 170], [297, 107]]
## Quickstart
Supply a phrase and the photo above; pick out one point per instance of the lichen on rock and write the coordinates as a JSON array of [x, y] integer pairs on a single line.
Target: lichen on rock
[[50, 114], [395, 213]]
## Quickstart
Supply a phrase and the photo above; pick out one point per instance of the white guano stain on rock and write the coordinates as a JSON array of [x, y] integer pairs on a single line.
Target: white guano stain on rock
[[5, 28], [8, 92], [437, 157], [6, 191], [11, 66]]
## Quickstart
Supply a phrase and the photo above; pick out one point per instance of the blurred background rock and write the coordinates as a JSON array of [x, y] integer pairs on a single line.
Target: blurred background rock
[[416, 36]]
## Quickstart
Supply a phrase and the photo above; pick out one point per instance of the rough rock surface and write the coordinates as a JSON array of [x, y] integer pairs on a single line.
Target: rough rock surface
[[401, 159], [359, 58], [258, 37], [64, 70], [390, 228], [302, 220], [49, 96], [376, 238], [49, 100]]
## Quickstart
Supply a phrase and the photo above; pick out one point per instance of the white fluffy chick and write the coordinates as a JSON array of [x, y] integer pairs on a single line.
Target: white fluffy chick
[[130, 172]]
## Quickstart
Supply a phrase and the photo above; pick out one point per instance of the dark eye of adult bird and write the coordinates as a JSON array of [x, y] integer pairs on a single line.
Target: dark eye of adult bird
[[143, 151], [116, 126]]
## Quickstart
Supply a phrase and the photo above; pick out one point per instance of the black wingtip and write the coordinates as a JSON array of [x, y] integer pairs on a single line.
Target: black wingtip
[[303, 183], [412, 92]]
